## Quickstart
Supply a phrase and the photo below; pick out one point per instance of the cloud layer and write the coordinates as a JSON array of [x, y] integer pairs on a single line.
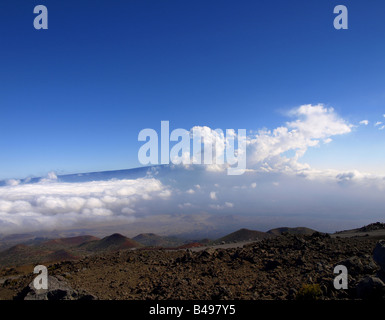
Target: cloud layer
[[53, 204], [276, 190]]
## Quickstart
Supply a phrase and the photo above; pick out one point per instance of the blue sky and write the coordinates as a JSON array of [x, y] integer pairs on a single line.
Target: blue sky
[[73, 98]]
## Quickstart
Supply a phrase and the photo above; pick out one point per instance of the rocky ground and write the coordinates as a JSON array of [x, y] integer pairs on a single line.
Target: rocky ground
[[286, 267]]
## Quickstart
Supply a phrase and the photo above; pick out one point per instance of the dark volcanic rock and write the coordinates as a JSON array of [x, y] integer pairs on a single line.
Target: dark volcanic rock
[[371, 288], [271, 264], [379, 254], [282, 267], [353, 264]]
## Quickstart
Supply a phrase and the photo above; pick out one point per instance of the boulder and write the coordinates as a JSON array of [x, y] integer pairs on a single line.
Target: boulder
[[379, 254], [371, 288], [354, 265]]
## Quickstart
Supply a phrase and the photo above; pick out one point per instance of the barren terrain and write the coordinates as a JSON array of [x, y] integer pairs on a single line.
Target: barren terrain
[[284, 267]]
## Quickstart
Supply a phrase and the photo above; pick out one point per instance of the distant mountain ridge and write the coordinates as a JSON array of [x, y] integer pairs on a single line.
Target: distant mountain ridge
[[244, 235], [113, 242], [154, 240], [132, 173], [251, 235], [372, 227], [295, 231], [61, 249], [42, 250], [376, 229], [71, 241]]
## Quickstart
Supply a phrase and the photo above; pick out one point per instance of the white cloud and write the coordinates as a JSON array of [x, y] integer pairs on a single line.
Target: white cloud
[[12, 182], [215, 167], [52, 176], [227, 205], [65, 205], [377, 123], [128, 211], [364, 122], [317, 122], [266, 150], [213, 195], [215, 138], [185, 205], [313, 123]]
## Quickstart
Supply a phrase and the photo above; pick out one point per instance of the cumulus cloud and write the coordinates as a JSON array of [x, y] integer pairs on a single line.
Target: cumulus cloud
[[364, 122], [313, 124], [267, 150], [215, 138]]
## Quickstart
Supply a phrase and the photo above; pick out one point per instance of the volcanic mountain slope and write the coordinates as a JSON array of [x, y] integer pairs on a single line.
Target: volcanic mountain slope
[[297, 230], [373, 230], [370, 227], [113, 242], [11, 240], [22, 255], [154, 240], [38, 237], [64, 249], [244, 235], [44, 251], [373, 227], [69, 242]]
